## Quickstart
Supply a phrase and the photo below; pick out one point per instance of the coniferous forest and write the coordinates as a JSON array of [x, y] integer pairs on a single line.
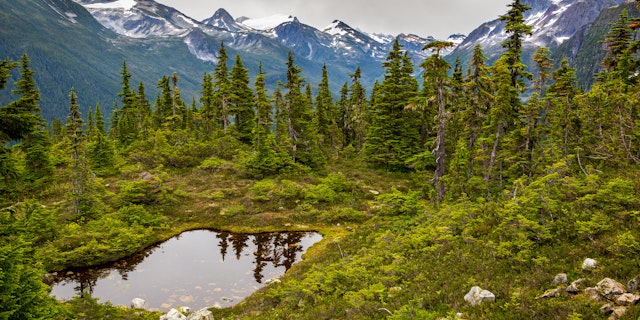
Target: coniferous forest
[[496, 175]]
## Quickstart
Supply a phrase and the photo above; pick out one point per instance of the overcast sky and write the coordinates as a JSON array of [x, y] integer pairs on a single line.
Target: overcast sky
[[438, 18]]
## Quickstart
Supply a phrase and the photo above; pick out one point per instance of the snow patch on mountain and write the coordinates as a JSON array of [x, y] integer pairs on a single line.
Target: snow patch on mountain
[[119, 4], [269, 23]]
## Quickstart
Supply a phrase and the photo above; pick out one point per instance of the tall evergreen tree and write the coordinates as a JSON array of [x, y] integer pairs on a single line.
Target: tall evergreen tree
[[437, 84], [324, 112], [241, 100], [221, 87], [100, 149], [344, 116], [268, 159], [517, 29], [208, 110], [302, 137], [357, 107], [393, 135], [563, 119], [77, 142]]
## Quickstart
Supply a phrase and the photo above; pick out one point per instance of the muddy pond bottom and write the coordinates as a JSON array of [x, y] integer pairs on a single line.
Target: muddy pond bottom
[[197, 269]]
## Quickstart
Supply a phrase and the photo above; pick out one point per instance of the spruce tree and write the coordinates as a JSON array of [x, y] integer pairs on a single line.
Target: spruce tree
[[302, 137], [517, 29], [268, 158], [393, 135], [163, 103], [77, 142], [344, 116], [221, 89], [324, 112], [562, 116], [357, 107], [100, 149], [241, 101], [437, 84], [207, 100]]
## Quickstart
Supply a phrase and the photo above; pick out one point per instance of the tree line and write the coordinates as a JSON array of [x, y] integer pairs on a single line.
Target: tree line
[[472, 128]]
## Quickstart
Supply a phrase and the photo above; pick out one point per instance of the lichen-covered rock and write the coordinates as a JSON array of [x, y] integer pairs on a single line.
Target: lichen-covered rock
[[173, 314], [477, 296], [593, 294], [551, 293], [202, 314], [576, 286], [138, 303], [628, 299], [610, 289], [589, 264]]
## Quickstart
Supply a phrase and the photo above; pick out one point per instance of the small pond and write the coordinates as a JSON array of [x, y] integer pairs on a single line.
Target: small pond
[[197, 269]]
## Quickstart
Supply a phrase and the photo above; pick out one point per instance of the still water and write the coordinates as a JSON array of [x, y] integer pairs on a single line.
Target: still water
[[197, 269]]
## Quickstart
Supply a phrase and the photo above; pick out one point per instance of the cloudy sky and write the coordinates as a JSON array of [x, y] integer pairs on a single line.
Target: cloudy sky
[[438, 18]]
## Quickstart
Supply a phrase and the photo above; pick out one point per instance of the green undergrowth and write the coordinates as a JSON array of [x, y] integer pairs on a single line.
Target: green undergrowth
[[388, 251], [412, 260]]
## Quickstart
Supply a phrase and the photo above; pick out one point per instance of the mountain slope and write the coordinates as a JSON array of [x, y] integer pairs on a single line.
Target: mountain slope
[[552, 21], [585, 50], [69, 48]]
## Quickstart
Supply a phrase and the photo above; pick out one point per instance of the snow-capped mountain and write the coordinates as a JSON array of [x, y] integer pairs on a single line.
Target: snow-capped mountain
[[223, 20], [148, 19], [140, 18], [552, 22]]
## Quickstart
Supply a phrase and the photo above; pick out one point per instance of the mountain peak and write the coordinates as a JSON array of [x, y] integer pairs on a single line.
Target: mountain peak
[[337, 27], [223, 20]]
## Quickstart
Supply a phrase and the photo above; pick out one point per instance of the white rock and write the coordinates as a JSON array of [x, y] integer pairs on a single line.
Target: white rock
[[173, 314], [589, 264], [560, 278], [272, 281], [202, 314], [138, 303], [374, 192], [477, 296]]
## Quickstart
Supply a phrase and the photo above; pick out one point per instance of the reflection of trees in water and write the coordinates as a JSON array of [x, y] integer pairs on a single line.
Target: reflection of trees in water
[[279, 249], [86, 278], [224, 243], [239, 242]]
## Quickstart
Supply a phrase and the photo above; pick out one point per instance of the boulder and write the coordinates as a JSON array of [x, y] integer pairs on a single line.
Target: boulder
[[617, 312], [173, 314], [272, 281], [610, 289], [576, 286], [632, 285], [560, 279], [593, 294], [551, 293], [477, 296], [138, 303], [589, 264], [202, 314], [628, 299]]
